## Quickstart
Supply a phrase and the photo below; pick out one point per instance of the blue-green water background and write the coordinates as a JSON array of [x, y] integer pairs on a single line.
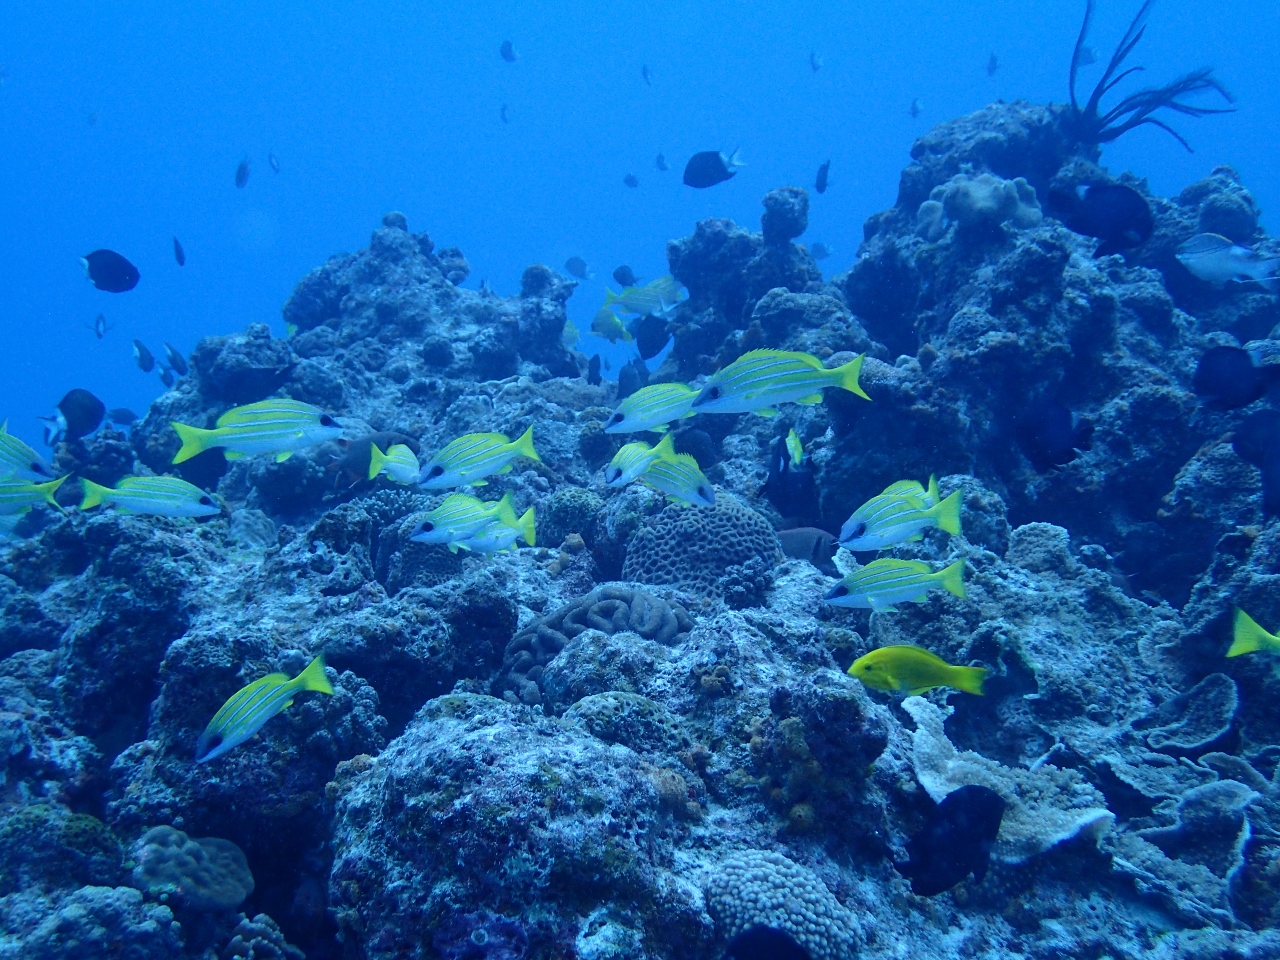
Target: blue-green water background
[[122, 126]]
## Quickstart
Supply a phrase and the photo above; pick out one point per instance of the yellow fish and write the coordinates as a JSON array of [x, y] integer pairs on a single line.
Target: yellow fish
[[1248, 637], [610, 326], [914, 670]]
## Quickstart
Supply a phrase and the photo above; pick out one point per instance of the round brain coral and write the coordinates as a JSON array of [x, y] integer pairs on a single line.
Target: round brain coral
[[693, 547], [205, 875], [762, 887]]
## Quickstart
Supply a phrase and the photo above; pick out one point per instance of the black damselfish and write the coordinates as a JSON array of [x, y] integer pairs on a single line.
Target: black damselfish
[[109, 271], [1117, 215], [79, 414], [178, 253], [1257, 441], [955, 842], [176, 360], [242, 173], [821, 184], [710, 167], [1049, 434], [791, 487], [765, 943], [625, 276], [1226, 378]]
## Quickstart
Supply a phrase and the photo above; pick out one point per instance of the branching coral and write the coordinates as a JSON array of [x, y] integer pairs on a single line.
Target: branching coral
[[1137, 109]]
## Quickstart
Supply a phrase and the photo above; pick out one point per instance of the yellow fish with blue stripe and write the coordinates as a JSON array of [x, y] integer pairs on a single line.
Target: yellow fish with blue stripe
[[459, 516], [915, 670], [882, 583], [19, 496], [19, 461], [500, 535], [889, 519], [681, 479], [251, 706], [474, 456], [398, 463], [795, 449], [657, 297], [277, 427], [760, 380], [156, 496], [652, 408], [1249, 637], [632, 459]]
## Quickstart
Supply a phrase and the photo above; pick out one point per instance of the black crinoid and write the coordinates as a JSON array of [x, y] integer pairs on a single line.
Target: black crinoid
[[1138, 108]]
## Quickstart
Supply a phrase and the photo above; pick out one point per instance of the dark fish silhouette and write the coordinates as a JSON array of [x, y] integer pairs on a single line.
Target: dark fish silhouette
[[821, 184], [791, 488], [914, 109], [992, 66], [508, 52], [1049, 434], [815, 62], [577, 267], [710, 167], [765, 943], [79, 414], [122, 416], [178, 253], [176, 360], [166, 376], [819, 251], [661, 163], [646, 76], [631, 180], [955, 842], [1226, 378], [631, 378], [99, 326], [242, 173], [502, 112], [274, 162], [109, 271], [625, 276], [593, 370], [146, 362], [1117, 215], [1257, 441], [809, 543]]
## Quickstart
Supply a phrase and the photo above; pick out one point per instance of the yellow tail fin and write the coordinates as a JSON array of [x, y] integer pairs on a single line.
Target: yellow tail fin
[[947, 513], [94, 494], [665, 449], [48, 489], [1248, 637], [313, 677], [525, 525], [506, 513], [376, 460], [849, 376], [524, 445], [952, 579], [969, 679], [194, 441]]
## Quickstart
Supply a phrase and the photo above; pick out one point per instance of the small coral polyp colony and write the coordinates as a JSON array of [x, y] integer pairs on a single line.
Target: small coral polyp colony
[[471, 649]]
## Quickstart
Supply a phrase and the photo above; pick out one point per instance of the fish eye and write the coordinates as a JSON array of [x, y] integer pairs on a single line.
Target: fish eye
[[426, 526], [206, 502], [858, 531], [327, 421], [713, 393], [436, 471], [840, 591], [616, 418]]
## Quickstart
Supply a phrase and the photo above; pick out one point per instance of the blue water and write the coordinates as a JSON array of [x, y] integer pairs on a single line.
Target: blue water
[[122, 127]]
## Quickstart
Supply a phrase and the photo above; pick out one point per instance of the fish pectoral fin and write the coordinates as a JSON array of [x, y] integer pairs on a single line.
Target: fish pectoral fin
[[918, 691], [766, 412], [506, 469], [811, 399], [912, 539], [287, 705], [883, 608], [479, 483], [235, 455], [453, 547], [283, 455]]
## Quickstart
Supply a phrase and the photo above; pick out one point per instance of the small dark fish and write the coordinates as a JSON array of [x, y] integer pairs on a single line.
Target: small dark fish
[[242, 173], [765, 943], [646, 76], [1049, 434], [122, 416], [577, 267], [915, 108], [661, 163], [710, 167], [815, 62], [821, 184], [809, 543], [631, 378], [353, 466], [791, 487], [176, 360], [502, 112], [79, 414], [99, 326], [992, 66], [625, 276], [819, 251], [955, 842], [178, 253], [1226, 378], [508, 52], [166, 376], [1117, 215], [1257, 441], [109, 271], [593, 370], [274, 162], [631, 180], [146, 362]]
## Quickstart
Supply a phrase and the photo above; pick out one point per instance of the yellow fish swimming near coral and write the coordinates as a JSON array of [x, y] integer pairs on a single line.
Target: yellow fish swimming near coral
[[915, 670]]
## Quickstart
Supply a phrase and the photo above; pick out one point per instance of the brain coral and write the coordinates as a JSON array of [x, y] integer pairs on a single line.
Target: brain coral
[[693, 547], [761, 887], [206, 874]]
